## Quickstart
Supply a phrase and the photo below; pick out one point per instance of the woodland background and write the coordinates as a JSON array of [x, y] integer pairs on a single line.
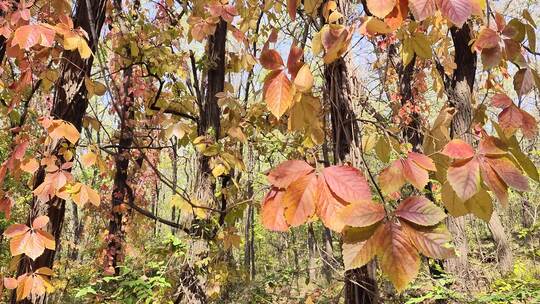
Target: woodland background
[[147, 147]]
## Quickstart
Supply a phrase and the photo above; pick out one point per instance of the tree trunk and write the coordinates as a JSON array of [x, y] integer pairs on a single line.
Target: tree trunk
[[504, 251], [70, 103], [360, 284], [312, 250]]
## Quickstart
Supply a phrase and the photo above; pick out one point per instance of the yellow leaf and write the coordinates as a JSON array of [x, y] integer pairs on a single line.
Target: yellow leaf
[[219, 170], [304, 79], [180, 203], [89, 159], [84, 194], [407, 52], [421, 45]]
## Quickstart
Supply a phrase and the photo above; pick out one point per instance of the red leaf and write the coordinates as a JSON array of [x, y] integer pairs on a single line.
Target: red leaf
[[487, 38], [362, 214], [347, 183], [509, 173], [287, 172], [299, 200], [431, 242], [291, 8], [494, 183], [294, 62], [40, 222], [271, 60], [420, 210], [490, 145], [16, 229], [523, 81], [501, 101]]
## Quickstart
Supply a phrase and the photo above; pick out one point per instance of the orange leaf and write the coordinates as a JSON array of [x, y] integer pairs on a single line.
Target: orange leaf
[[398, 258], [397, 15], [422, 161], [27, 36], [362, 214], [391, 178], [381, 8], [415, 174], [10, 283], [30, 165], [328, 206], [360, 245], [278, 92], [84, 194], [457, 148], [287, 172], [304, 79], [299, 200], [16, 229], [272, 211], [420, 210]]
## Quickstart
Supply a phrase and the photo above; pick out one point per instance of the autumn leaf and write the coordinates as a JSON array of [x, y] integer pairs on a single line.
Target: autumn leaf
[[464, 177], [278, 92], [347, 183], [381, 8], [360, 245], [272, 211], [287, 172], [328, 206], [457, 11], [30, 241], [271, 60], [304, 79], [62, 129], [82, 194], [27, 36], [398, 258], [431, 242], [362, 214], [413, 169], [299, 200], [490, 165], [422, 9], [420, 210]]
